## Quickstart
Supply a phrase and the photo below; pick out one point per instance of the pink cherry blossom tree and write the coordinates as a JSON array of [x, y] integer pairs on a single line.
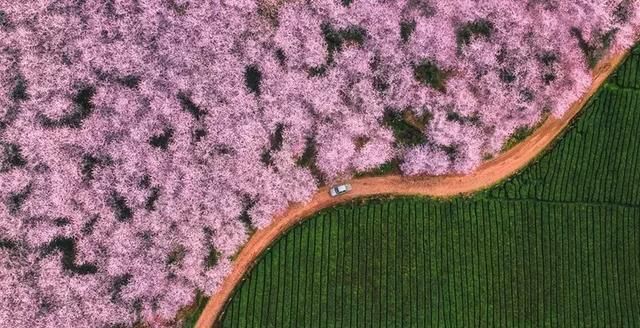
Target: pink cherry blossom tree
[[142, 141]]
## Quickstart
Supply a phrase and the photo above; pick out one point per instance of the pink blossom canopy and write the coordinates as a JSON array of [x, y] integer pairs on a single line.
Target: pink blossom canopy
[[142, 141]]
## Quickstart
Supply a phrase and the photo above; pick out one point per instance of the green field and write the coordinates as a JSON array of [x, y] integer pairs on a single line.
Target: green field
[[557, 245]]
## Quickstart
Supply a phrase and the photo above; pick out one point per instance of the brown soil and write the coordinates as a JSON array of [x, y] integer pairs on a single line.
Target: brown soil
[[411, 118], [490, 173]]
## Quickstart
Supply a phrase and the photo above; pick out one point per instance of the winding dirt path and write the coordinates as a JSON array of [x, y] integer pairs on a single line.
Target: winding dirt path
[[490, 173]]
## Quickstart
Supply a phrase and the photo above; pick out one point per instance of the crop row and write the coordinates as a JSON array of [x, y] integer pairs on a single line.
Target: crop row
[[408, 262]]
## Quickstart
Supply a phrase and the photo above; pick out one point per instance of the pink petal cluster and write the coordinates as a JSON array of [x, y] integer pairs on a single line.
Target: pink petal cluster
[[141, 141]]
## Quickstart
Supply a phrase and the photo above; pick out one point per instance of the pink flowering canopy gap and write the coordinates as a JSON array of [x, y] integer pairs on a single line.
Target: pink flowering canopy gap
[[142, 141]]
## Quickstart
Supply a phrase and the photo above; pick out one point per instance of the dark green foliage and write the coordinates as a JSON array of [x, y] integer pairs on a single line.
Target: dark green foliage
[[191, 317], [521, 133], [354, 34], [19, 92], [277, 137], [12, 157], [423, 7], [607, 39], [429, 74], [588, 50], [109, 8], [130, 81], [16, 199], [88, 164], [623, 11], [150, 202], [222, 149], [146, 238], [3, 19], [87, 229], [281, 57], [101, 75], [117, 284], [335, 39], [266, 158], [84, 269], [346, 3], [308, 159], [317, 71], [122, 325], [405, 134], [406, 29], [83, 107], [361, 141], [7, 244], [548, 58], [212, 258], [451, 151], [61, 222], [121, 210], [380, 84], [501, 56], [10, 115], [506, 75], [68, 248], [269, 12], [594, 52], [456, 117], [380, 79], [45, 305], [548, 78], [527, 95], [478, 28], [375, 62], [198, 134], [390, 167], [473, 119], [247, 204], [145, 182], [556, 245], [189, 106], [176, 256], [162, 140], [180, 9], [252, 78]]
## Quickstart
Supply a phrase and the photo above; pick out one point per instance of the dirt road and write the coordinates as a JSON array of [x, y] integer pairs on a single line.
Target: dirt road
[[487, 175]]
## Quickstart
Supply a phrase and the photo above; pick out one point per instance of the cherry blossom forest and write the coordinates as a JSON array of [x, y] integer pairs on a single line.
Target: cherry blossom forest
[[142, 141]]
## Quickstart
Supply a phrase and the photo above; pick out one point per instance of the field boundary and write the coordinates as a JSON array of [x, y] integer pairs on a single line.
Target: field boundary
[[487, 175]]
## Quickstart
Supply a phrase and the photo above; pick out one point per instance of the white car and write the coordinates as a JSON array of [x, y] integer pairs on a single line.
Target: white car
[[339, 189]]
